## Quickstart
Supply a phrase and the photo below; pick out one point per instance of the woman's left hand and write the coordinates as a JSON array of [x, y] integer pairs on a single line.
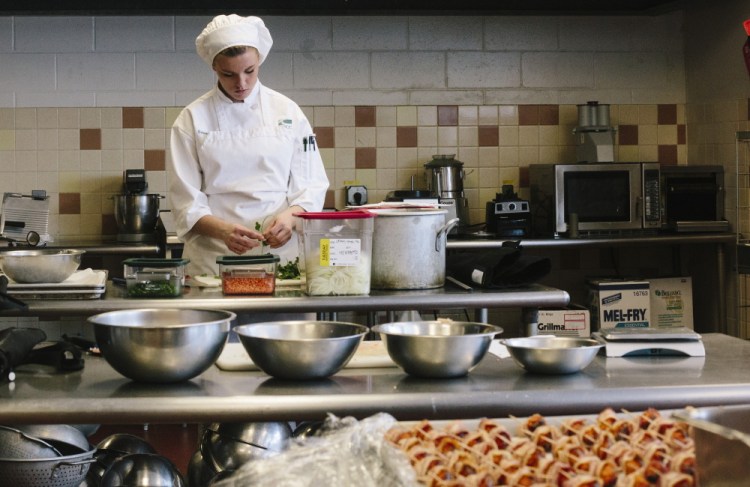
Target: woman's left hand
[[280, 230]]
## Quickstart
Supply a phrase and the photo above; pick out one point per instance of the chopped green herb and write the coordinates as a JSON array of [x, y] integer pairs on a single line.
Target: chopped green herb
[[290, 270], [145, 289]]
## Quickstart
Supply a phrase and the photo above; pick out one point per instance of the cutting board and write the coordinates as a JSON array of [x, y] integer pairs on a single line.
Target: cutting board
[[369, 354]]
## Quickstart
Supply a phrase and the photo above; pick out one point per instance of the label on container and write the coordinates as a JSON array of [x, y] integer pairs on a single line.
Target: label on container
[[335, 252]]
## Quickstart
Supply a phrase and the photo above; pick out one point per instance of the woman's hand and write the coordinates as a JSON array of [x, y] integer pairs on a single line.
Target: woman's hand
[[238, 238], [280, 230]]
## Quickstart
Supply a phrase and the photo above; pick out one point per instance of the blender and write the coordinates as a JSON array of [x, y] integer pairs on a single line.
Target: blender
[[136, 211], [445, 180]]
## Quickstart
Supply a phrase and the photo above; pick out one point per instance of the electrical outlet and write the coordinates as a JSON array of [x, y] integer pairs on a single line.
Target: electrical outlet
[[356, 195]]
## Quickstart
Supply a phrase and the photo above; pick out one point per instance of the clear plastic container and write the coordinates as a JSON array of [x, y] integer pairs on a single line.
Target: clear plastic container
[[337, 252], [154, 278], [251, 274]]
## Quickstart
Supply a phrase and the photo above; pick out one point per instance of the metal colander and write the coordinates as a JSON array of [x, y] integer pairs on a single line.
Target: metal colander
[[19, 445], [67, 471]]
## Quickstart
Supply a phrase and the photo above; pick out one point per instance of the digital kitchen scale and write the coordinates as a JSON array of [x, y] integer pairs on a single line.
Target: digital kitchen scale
[[620, 342]]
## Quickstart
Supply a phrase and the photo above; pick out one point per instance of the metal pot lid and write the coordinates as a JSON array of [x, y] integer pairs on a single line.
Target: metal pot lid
[[443, 160]]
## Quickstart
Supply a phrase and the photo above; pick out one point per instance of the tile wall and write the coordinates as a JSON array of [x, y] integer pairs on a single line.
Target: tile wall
[[78, 154]]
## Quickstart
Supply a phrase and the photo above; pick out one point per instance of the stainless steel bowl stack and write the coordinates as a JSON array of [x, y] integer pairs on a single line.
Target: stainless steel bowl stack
[[40, 265], [161, 345], [225, 447], [548, 354], [438, 349], [113, 447], [301, 350]]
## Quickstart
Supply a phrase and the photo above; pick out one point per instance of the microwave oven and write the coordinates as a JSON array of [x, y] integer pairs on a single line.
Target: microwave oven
[[586, 199]]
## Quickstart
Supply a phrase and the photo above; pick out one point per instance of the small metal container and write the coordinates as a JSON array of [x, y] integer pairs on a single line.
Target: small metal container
[[161, 345], [40, 265], [301, 350], [547, 354], [439, 349]]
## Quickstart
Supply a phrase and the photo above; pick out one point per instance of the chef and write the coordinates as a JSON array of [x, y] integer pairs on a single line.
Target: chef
[[244, 157]]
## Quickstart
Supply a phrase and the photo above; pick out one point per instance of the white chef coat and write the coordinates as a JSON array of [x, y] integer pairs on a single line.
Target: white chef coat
[[244, 163]]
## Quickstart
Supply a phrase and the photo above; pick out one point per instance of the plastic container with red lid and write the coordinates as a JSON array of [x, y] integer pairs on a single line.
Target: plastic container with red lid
[[337, 249]]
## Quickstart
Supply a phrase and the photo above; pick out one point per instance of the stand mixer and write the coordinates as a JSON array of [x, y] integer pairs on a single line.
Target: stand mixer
[[136, 212]]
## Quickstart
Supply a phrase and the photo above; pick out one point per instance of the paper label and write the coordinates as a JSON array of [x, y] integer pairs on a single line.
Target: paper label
[[340, 252]]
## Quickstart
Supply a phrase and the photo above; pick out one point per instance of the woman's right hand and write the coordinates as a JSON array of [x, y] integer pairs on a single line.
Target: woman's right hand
[[238, 238]]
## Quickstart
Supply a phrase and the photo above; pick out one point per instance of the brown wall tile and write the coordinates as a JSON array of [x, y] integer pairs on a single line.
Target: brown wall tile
[[364, 117], [365, 157], [549, 114], [154, 159], [528, 114], [109, 225], [70, 203], [330, 201], [668, 154], [523, 177], [447, 115], [406, 136], [324, 137], [132, 117], [489, 136], [681, 134], [90, 139], [666, 114], [627, 134]]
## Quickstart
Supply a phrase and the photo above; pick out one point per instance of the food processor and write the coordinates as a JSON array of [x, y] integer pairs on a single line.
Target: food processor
[[136, 211]]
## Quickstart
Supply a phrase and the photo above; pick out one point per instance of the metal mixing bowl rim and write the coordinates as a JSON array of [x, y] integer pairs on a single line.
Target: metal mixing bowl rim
[[241, 330], [38, 252], [493, 330], [228, 315]]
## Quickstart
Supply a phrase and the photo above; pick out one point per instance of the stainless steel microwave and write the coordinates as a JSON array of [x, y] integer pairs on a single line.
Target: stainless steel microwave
[[568, 199]]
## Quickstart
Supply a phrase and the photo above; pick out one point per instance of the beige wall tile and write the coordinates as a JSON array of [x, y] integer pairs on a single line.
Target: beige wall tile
[[406, 116], [7, 140], [323, 117], [7, 119], [385, 116], [344, 116]]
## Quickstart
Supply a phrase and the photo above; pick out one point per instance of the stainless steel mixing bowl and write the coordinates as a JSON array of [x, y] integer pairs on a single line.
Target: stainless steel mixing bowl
[[142, 470], [301, 349], [439, 349], [161, 345], [548, 354], [40, 265], [136, 213], [228, 446]]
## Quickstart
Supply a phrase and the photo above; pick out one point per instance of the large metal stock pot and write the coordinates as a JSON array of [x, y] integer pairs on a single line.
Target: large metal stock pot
[[408, 248]]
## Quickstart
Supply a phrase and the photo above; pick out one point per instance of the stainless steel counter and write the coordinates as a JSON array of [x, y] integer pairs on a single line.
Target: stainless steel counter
[[290, 300], [496, 388]]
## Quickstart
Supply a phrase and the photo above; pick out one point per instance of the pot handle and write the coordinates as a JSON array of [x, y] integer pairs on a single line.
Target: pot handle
[[444, 231]]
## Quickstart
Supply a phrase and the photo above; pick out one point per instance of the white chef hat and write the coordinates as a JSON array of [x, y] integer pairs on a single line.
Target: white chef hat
[[233, 30]]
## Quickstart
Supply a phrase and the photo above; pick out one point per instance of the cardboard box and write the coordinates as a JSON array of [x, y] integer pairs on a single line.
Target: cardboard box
[[619, 304], [671, 302], [573, 321]]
